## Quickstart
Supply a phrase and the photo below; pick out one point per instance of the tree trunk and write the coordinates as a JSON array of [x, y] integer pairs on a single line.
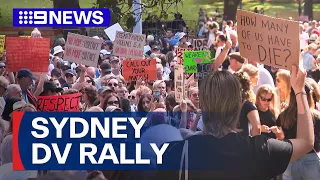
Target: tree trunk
[[308, 9], [69, 4], [66, 4], [230, 9]]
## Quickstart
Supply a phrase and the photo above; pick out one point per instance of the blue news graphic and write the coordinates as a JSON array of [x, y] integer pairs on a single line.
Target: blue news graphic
[[49, 17], [89, 141]]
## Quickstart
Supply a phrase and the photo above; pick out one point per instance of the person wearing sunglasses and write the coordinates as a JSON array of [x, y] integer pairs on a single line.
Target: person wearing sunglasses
[[133, 100], [70, 77], [113, 83], [266, 105]]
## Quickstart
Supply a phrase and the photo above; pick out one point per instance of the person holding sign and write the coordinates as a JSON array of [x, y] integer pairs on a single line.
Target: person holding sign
[[220, 142]]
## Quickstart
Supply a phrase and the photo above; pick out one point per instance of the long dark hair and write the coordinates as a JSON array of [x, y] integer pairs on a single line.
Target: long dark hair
[[288, 117], [140, 105]]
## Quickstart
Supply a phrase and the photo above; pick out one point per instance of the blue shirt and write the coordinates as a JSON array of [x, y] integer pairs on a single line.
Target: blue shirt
[[25, 96], [307, 61]]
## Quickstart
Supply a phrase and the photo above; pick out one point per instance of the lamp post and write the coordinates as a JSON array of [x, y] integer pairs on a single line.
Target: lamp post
[[299, 10]]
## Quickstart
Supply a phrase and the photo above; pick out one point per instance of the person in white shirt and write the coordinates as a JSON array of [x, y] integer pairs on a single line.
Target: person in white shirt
[[264, 76], [221, 42], [304, 38], [147, 47]]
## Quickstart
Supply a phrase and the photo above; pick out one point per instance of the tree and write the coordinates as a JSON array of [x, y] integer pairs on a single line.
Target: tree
[[308, 9], [230, 9], [122, 12]]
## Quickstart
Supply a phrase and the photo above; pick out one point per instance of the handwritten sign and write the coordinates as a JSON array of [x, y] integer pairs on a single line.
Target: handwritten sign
[[203, 71], [82, 49], [64, 103], [200, 44], [188, 81], [268, 40], [134, 69], [179, 82], [2, 42], [31, 53], [192, 58], [129, 45], [179, 53]]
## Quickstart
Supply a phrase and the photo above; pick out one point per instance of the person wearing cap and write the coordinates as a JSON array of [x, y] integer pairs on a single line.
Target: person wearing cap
[[155, 49], [107, 46], [105, 69], [50, 89], [147, 47], [115, 66], [236, 62], [58, 51], [25, 80], [183, 40], [151, 44], [70, 77], [103, 93]]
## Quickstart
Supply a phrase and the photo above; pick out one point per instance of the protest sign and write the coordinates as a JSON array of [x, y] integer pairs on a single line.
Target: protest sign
[[180, 54], [188, 82], [64, 103], [31, 53], [200, 44], [203, 71], [2, 42], [129, 45], [112, 30], [82, 49], [134, 69], [192, 58], [268, 40], [179, 82]]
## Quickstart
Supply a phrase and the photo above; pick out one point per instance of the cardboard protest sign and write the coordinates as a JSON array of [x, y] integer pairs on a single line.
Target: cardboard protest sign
[[268, 40], [179, 53], [179, 82], [129, 45], [82, 49], [63, 103], [200, 44], [112, 30], [192, 58], [188, 80], [2, 42], [31, 53], [134, 69], [203, 71]]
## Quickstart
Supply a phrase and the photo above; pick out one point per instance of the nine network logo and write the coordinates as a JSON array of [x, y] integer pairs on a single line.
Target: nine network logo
[[49, 17]]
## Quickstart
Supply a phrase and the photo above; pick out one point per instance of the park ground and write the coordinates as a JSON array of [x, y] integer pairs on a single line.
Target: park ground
[[189, 9]]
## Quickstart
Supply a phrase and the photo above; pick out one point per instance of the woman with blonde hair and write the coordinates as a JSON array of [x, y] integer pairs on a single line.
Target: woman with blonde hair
[[253, 73], [284, 88], [266, 100], [249, 120]]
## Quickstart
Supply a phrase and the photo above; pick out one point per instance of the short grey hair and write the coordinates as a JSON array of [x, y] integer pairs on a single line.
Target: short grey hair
[[13, 87]]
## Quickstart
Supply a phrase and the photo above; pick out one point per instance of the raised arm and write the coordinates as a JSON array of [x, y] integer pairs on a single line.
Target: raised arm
[[222, 56], [305, 132]]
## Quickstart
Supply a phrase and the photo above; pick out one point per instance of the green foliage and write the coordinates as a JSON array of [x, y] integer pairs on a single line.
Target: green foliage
[[122, 12]]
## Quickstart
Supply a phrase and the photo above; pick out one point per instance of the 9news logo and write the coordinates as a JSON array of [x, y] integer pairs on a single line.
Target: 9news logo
[[48, 17]]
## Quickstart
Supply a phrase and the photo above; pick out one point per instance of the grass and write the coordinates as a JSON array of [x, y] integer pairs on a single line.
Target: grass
[[189, 9]]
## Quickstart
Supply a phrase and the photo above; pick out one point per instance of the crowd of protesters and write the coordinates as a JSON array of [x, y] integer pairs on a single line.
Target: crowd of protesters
[[246, 120]]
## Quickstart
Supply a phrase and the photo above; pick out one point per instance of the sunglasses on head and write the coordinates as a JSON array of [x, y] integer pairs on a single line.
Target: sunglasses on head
[[131, 97], [2, 67], [265, 99]]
